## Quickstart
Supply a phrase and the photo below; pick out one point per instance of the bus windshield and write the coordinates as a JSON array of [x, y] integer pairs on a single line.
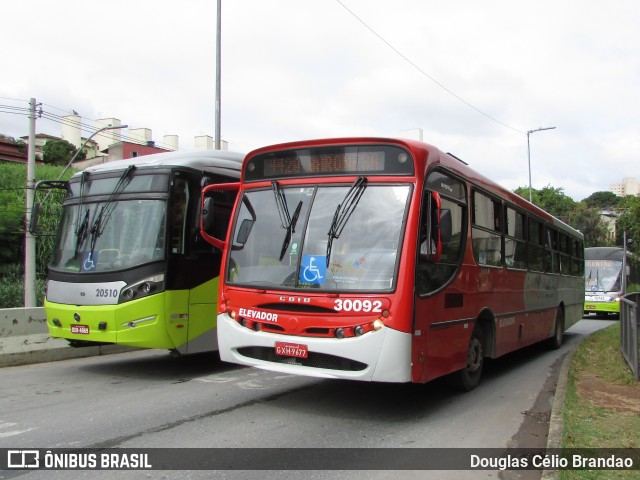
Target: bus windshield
[[126, 234], [322, 237], [602, 276]]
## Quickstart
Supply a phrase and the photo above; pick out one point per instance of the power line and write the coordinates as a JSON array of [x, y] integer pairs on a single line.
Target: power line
[[66, 121], [414, 65]]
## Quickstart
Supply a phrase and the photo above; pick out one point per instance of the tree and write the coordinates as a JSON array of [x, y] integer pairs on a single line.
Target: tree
[[629, 221], [578, 215], [590, 223], [551, 199], [602, 200], [59, 152]]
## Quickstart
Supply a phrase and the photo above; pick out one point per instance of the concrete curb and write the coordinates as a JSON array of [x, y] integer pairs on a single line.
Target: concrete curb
[[24, 339], [554, 439], [58, 349]]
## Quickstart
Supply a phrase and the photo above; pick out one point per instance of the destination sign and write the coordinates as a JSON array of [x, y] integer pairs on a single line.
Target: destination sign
[[323, 161]]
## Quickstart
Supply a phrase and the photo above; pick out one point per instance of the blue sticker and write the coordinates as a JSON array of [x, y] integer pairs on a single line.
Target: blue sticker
[[313, 269], [89, 261]]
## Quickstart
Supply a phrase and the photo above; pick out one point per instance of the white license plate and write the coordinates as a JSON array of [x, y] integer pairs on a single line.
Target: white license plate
[[598, 299], [80, 329]]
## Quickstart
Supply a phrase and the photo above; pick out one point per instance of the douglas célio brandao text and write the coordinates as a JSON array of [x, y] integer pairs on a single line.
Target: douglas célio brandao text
[[548, 461]]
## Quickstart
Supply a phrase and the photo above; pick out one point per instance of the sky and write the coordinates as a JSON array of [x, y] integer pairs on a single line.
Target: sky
[[472, 77]]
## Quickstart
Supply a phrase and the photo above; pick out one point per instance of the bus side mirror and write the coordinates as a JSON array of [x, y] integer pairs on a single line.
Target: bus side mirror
[[207, 218], [441, 227], [244, 231], [445, 225], [34, 219]]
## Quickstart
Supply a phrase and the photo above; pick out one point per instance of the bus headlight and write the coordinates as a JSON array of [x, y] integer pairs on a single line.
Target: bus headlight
[[145, 287], [377, 324]]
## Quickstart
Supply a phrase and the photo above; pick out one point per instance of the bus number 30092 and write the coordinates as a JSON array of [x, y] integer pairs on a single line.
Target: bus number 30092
[[349, 305], [106, 293]]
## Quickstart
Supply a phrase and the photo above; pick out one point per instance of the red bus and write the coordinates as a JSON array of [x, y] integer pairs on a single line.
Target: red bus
[[387, 260]]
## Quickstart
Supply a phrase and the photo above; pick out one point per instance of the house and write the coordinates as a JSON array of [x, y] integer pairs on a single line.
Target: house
[[12, 151]]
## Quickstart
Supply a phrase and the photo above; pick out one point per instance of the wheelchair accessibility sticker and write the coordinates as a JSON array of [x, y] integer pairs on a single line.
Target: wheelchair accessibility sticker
[[89, 261], [313, 269]]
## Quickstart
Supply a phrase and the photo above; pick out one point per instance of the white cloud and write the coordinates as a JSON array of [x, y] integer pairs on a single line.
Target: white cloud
[[294, 70]]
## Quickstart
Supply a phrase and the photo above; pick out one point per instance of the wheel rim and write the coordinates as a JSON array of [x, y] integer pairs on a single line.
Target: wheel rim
[[474, 355]]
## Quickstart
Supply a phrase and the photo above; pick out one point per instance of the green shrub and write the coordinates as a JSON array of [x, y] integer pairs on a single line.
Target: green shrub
[[12, 287], [12, 231]]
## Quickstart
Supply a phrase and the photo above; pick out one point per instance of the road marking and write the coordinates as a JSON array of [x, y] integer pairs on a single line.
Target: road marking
[[11, 433], [252, 385], [216, 379]]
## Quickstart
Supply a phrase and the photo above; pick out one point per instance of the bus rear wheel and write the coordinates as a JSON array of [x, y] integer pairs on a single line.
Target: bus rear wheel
[[555, 342], [469, 377]]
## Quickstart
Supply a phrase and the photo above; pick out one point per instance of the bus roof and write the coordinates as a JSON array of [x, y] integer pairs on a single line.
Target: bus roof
[[215, 161], [425, 156]]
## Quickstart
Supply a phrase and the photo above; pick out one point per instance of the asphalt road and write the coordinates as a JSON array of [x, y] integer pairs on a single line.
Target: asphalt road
[[149, 399]]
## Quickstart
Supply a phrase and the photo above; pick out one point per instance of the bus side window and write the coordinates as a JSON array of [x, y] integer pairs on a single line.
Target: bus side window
[[179, 206], [515, 246], [487, 225], [440, 239]]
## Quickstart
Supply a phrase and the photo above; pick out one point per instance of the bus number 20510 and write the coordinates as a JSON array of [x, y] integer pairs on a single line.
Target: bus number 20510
[[106, 293]]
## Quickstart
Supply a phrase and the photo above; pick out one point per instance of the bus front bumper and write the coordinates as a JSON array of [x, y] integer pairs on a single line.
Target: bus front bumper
[[380, 356], [601, 307]]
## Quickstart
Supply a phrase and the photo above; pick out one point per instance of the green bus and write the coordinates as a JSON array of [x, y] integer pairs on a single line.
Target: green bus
[[604, 280], [129, 266]]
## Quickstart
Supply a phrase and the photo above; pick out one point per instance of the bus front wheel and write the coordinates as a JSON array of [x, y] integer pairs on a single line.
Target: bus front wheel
[[469, 377]]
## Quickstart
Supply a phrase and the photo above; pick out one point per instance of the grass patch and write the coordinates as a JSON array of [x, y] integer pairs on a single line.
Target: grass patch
[[602, 402]]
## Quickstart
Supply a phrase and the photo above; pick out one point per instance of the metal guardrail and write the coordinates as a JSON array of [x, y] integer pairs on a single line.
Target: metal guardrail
[[629, 320]]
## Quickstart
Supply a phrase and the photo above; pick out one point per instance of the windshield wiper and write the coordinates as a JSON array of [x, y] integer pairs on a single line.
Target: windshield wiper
[[286, 222], [105, 212], [81, 233], [291, 229], [344, 211]]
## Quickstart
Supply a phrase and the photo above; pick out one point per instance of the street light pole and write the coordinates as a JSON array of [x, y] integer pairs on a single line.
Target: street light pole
[[108, 127], [529, 132], [218, 76]]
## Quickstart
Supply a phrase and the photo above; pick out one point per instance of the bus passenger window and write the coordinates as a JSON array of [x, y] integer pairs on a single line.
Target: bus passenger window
[[552, 257], [487, 241], [515, 246], [536, 246]]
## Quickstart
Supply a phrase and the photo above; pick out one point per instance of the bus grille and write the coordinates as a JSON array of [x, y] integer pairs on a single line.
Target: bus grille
[[315, 360]]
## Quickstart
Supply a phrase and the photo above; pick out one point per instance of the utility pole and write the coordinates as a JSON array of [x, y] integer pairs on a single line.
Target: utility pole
[[218, 76], [29, 239]]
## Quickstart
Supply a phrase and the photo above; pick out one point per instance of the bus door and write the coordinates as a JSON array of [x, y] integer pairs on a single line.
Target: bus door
[[177, 299], [204, 267], [439, 338]]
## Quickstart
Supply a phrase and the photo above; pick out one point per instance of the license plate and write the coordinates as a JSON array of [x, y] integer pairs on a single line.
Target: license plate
[[80, 329], [591, 307], [599, 299], [292, 350]]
